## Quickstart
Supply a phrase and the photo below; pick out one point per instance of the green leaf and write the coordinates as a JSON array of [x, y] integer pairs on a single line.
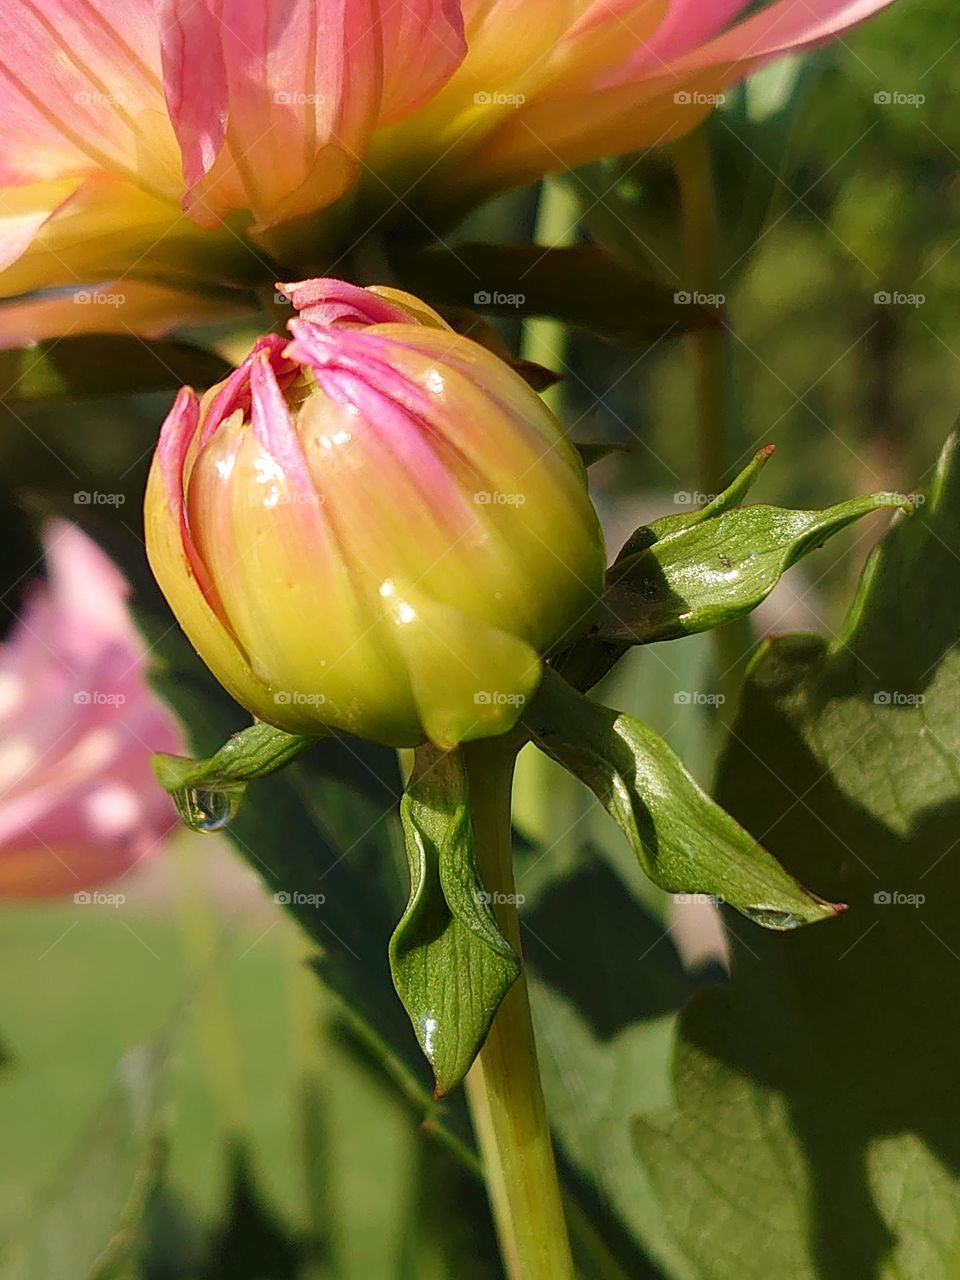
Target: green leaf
[[583, 284], [719, 568], [816, 1100], [684, 841], [88, 1223], [72, 369], [450, 962]]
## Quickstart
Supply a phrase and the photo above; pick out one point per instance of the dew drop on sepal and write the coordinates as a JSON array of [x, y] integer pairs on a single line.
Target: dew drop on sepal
[[207, 808]]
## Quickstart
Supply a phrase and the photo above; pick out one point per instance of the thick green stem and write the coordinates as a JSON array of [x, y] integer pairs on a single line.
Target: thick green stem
[[544, 341], [503, 1086], [708, 353]]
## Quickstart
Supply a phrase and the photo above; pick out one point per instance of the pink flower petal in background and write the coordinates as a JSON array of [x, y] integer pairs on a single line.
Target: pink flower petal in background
[[274, 103], [549, 87], [78, 801], [118, 306]]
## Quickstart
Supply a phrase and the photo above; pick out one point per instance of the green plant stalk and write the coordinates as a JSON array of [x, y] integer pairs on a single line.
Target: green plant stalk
[[503, 1086], [215, 1023], [709, 357], [543, 341]]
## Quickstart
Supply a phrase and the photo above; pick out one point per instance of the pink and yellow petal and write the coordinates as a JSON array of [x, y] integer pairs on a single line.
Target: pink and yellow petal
[[80, 91], [118, 306]]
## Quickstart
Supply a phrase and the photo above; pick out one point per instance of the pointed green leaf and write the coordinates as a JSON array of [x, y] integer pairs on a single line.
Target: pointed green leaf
[[451, 964], [684, 841]]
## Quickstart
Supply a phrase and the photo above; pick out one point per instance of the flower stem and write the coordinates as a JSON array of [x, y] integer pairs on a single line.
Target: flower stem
[[545, 341], [708, 352], [503, 1086]]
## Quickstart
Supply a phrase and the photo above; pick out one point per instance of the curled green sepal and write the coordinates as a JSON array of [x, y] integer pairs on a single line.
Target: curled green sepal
[[451, 965], [207, 793], [684, 841]]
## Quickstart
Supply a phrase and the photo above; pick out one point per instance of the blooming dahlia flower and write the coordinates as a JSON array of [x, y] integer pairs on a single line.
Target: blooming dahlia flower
[[376, 526], [176, 143], [78, 801]]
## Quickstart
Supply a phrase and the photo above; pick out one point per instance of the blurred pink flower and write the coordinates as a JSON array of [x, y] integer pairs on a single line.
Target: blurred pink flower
[[171, 142], [78, 801]]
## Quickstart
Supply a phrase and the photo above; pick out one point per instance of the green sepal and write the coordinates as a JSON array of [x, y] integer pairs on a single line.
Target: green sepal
[[683, 840], [699, 569], [451, 965], [590, 452], [208, 792], [705, 574]]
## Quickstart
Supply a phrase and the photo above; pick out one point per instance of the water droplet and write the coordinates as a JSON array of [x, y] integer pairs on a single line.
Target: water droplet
[[207, 808], [771, 918]]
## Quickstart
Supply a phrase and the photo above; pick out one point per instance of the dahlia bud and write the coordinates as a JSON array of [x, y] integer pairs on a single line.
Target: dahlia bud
[[375, 526]]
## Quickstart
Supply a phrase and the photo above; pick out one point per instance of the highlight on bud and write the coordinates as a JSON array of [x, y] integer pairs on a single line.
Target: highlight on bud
[[313, 522]]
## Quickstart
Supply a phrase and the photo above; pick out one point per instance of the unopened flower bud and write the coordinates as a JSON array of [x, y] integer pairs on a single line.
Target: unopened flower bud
[[373, 526]]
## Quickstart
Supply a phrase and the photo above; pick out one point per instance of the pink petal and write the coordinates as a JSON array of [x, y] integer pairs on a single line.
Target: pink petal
[[176, 435], [272, 425], [291, 99], [423, 44], [330, 302], [88, 592], [119, 306], [685, 26], [80, 90], [78, 803], [778, 28], [25, 210]]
